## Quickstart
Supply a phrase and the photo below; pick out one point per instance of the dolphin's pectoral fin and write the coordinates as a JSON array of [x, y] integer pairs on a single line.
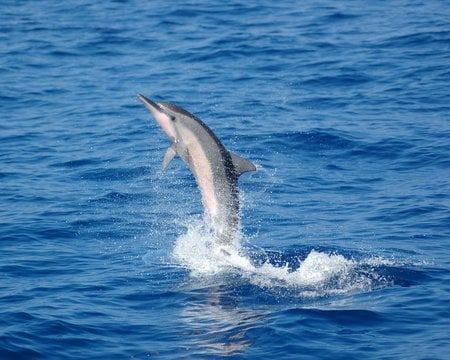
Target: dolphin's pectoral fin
[[170, 154], [241, 165]]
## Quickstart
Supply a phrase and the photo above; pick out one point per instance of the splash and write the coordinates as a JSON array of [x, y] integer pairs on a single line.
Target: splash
[[317, 274], [198, 251]]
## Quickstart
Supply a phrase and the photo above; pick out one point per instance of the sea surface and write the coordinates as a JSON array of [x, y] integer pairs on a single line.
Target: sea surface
[[343, 106]]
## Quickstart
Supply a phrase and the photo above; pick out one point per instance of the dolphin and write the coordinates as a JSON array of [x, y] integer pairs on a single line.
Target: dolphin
[[215, 169]]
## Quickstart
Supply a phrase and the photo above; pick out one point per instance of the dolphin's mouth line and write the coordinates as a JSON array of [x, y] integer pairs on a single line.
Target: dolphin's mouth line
[[149, 102]]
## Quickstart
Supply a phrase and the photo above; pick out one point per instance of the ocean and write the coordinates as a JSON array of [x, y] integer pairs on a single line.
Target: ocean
[[344, 107]]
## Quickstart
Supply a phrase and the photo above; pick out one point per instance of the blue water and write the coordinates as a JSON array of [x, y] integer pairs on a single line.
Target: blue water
[[344, 107]]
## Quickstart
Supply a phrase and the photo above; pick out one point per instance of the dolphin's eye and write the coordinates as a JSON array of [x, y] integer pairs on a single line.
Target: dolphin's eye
[[173, 118]]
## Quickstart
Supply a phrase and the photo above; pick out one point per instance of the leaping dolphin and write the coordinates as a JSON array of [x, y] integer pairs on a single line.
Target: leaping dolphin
[[215, 169]]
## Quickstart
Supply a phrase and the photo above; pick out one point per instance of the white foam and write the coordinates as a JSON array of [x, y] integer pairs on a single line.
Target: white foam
[[319, 274], [197, 250]]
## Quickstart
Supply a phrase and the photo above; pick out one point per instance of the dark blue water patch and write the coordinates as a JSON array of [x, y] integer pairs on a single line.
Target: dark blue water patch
[[4, 175], [9, 350], [346, 79], [425, 156], [39, 268], [95, 221], [417, 40], [313, 140], [138, 300], [334, 167], [17, 235], [116, 197], [55, 233], [328, 139], [401, 276], [288, 328], [78, 163], [322, 102], [339, 17], [114, 174], [68, 334], [338, 317], [24, 137], [409, 213], [389, 148], [64, 54]]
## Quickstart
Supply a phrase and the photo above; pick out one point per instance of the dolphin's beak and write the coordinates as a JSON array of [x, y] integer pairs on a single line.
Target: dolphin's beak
[[149, 104], [161, 117]]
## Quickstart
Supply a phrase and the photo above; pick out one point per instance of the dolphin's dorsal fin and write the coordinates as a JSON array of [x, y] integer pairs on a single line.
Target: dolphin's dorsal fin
[[241, 165], [170, 154]]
